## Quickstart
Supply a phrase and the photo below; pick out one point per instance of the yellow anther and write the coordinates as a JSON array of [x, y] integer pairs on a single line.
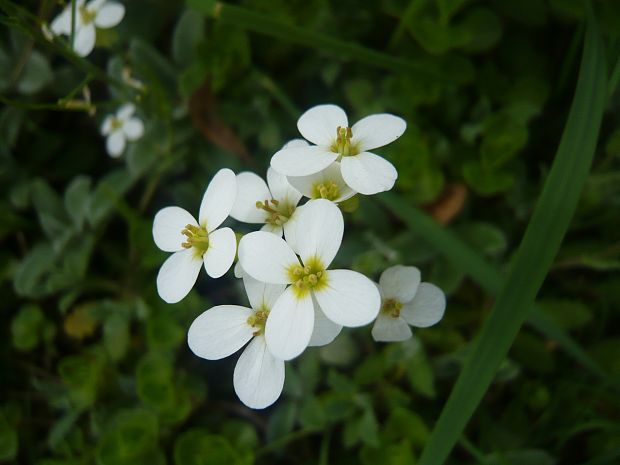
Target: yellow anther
[[342, 145], [197, 238], [392, 307]]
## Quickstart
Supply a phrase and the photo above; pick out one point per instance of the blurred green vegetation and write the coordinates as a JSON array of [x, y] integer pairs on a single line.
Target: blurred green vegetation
[[94, 366]]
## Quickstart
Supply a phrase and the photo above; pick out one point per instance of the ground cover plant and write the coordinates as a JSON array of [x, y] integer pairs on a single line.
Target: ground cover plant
[[463, 155]]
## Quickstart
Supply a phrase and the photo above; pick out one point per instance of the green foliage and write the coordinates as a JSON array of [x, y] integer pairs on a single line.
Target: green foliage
[[95, 367]]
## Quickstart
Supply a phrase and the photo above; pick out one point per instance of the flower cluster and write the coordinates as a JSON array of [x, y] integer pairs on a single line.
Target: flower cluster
[[80, 22], [296, 297]]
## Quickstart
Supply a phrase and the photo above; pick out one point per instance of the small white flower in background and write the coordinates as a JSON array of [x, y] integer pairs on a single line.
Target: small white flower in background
[[345, 297], [196, 242], [223, 330], [326, 184], [406, 301], [101, 14], [273, 203], [327, 127], [120, 128]]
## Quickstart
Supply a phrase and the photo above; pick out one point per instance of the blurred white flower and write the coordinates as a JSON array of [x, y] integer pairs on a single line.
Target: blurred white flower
[[101, 14], [345, 297], [327, 126], [273, 203], [196, 242], [406, 301], [258, 378], [120, 128]]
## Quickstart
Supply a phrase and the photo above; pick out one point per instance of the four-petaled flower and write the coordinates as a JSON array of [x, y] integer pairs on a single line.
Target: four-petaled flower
[[120, 128], [101, 14], [327, 127], [326, 184], [406, 301], [196, 242], [273, 203], [223, 330], [346, 297]]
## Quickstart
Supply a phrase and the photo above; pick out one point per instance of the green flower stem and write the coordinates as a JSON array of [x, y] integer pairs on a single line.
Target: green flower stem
[[536, 252]]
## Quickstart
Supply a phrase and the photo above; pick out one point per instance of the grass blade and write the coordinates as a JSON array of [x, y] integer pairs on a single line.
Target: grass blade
[[538, 248], [256, 22]]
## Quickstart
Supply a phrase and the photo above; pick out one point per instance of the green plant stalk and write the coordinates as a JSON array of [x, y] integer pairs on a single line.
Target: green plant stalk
[[256, 22], [535, 255]]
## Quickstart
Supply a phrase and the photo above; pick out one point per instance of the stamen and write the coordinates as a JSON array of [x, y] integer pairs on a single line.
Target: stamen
[[309, 276], [278, 212], [392, 307], [197, 238]]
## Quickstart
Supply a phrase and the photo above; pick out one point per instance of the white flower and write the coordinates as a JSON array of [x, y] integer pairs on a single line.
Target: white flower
[[406, 301], [120, 128], [96, 13], [327, 126], [326, 184], [345, 297], [196, 242], [273, 203], [223, 330]]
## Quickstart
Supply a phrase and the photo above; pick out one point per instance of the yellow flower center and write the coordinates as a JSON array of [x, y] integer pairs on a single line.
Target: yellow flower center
[[342, 145], [115, 123], [258, 319], [327, 190], [197, 238], [87, 15], [278, 212], [391, 307], [307, 277]]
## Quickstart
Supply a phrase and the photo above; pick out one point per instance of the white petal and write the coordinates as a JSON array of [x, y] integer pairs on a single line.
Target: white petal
[[238, 270], [290, 324], [126, 111], [325, 330], [106, 126], [320, 227], [84, 40], [368, 173], [280, 188], [319, 124], [295, 143], [178, 275], [302, 161], [62, 23], [400, 283], [349, 299], [251, 188], [262, 295], [220, 255], [109, 15], [290, 229], [266, 257], [307, 184], [218, 199], [259, 377], [115, 144], [390, 329], [167, 227], [273, 229], [95, 5], [220, 331], [133, 129], [426, 308], [377, 130]]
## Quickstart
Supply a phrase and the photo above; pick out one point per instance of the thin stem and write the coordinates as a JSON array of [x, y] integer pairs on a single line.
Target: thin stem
[[72, 35]]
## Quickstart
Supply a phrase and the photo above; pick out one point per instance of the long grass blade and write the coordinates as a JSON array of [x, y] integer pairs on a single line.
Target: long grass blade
[[538, 248], [256, 22]]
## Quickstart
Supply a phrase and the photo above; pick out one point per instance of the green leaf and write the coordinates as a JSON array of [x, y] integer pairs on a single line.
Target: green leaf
[[199, 447], [485, 181], [8, 439], [539, 246], [77, 200], [188, 32], [482, 29], [36, 74], [26, 327]]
